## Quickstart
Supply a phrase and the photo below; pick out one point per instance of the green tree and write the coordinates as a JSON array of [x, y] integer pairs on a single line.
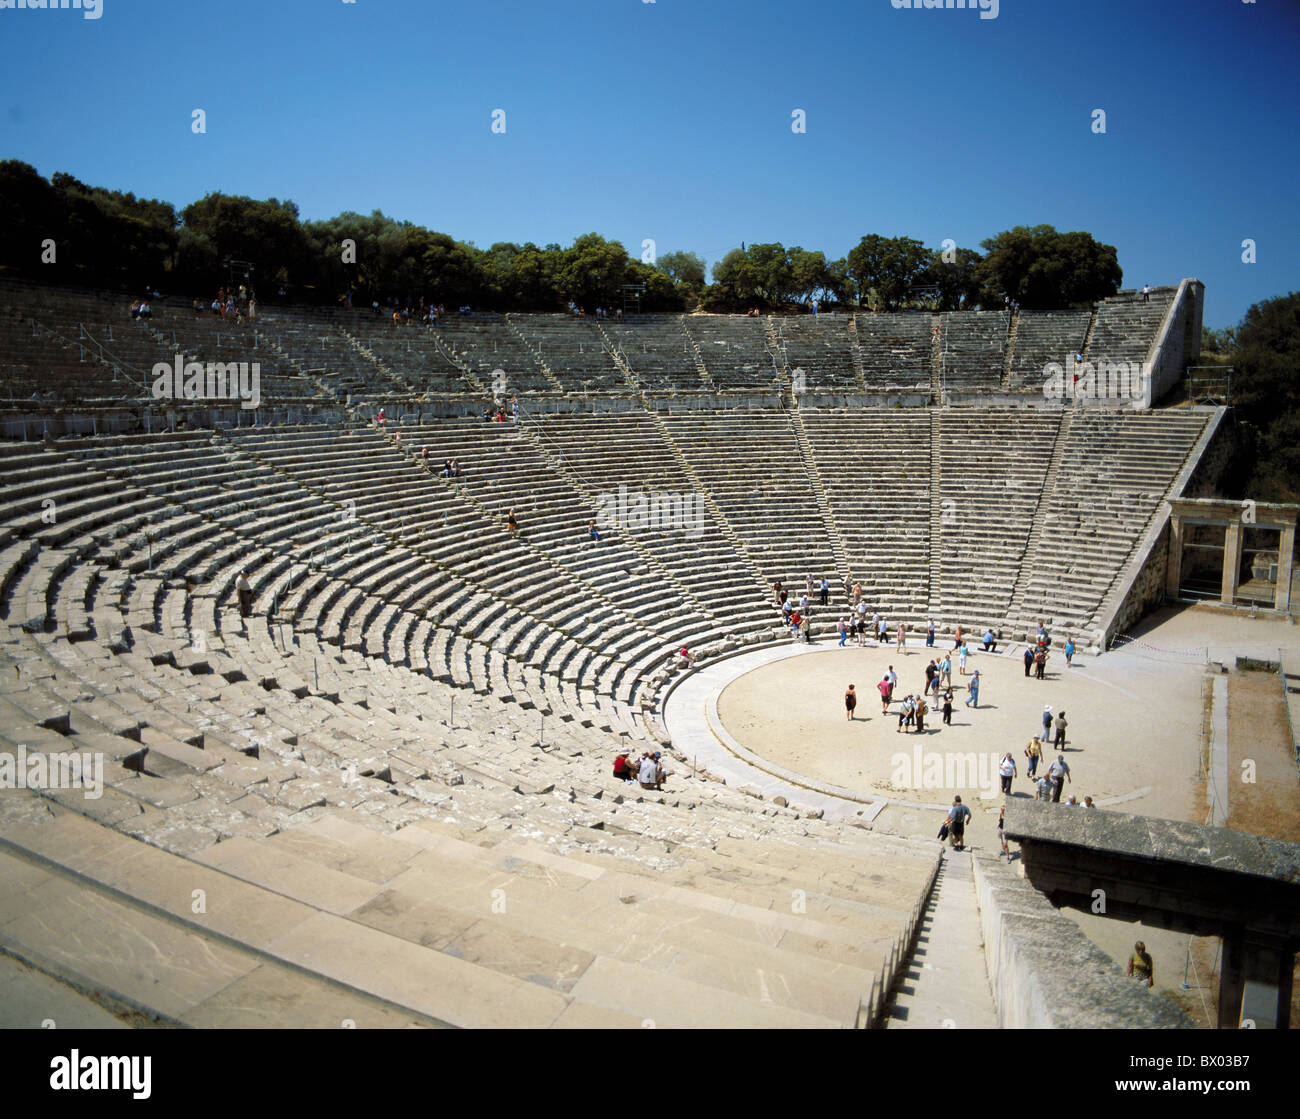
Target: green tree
[[1266, 395], [686, 270], [1041, 269], [887, 266]]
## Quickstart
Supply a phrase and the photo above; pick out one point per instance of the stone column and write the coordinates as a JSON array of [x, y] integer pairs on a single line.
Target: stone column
[[1285, 548], [1231, 562], [1174, 568]]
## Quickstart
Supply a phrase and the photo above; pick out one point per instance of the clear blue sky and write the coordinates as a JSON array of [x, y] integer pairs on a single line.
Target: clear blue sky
[[671, 120]]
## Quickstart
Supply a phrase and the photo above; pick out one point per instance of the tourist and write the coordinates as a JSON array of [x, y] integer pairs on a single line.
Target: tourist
[[930, 672], [826, 591], [1029, 660], [808, 585], [244, 591], [648, 774], [947, 707], [1047, 723], [882, 632], [929, 636], [1060, 724], [795, 619], [1146, 293], [973, 700], [1007, 770], [592, 530], [990, 641], [684, 658], [1087, 802], [884, 688], [623, 769], [1141, 967], [857, 593], [1041, 635], [902, 638], [921, 709], [1040, 661], [850, 702], [956, 637], [893, 682], [1069, 651], [805, 629], [778, 591], [1002, 830], [1072, 802], [958, 814], [1034, 752], [961, 657], [512, 524], [945, 670], [1043, 789], [1060, 774], [842, 626]]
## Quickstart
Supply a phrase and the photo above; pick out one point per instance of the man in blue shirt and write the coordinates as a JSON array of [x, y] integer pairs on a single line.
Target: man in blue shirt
[[958, 814]]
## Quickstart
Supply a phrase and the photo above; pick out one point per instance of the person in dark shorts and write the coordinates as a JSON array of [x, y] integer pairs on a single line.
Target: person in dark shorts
[[850, 702]]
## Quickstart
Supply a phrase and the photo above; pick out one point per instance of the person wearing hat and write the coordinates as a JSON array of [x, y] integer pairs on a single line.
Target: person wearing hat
[[1047, 723], [973, 700]]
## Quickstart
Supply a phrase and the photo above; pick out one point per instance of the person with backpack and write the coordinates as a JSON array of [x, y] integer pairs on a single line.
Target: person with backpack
[[958, 814]]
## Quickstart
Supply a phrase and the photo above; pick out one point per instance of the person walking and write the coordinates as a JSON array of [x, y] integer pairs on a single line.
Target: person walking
[[958, 814], [893, 682], [826, 591], [1060, 774], [805, 630], [961, 657], [882, 632], [1007, 771], [244, 592], [850, 702], [902, 637], [1069, 652], [1002, 832], [973, 700], [1043, 789], [884, 688], [947, 707], [843, 628], [1034, 752], [1059, 724]]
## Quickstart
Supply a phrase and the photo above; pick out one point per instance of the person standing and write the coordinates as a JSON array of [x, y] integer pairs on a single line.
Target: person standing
[[805, 630], [947, 707], [1040, 661], [929, 636], [244, 591], [882, 633], [1060, 774], [843, 628], [1060, 724], [1002, 830], [1043, 790], [902, 637], [1047, 723], [961, 657], [1141, 967], [1069, 652], [893, 682], [973, 700], [884, 688], [921, 710], [826, 591], [945, 670], [850, 702], [1029, 659], [958, 814]]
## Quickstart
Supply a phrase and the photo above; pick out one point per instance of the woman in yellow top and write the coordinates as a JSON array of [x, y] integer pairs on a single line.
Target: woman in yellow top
[[1140, 965]]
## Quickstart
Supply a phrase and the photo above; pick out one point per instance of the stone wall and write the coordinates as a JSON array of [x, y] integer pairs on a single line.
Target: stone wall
[[1148, 589], [1045, 973], [1178, 344]]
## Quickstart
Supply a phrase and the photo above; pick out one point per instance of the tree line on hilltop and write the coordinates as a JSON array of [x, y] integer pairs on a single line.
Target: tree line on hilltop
[[111, 239]]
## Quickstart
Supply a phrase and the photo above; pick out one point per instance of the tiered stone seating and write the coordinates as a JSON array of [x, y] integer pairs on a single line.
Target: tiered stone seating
[[574, 352], [485, 343], [993, 463], [1043, 337], [974, 349], [822, 347], [269, 341], [875, 466], [35, 364], [1126, 326], [895, 352], [1116, 470], [659, 353], [750, 464], [735, 352]]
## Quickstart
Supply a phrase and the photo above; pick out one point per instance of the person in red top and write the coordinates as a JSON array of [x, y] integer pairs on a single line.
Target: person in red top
[[795, 619], [884, 688], [623, 769]]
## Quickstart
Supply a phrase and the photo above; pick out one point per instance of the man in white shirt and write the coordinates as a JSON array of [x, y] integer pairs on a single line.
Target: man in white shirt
[[648, 775]]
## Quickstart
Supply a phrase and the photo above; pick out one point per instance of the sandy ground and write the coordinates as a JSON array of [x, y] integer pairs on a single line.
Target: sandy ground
[[1136, 716]]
